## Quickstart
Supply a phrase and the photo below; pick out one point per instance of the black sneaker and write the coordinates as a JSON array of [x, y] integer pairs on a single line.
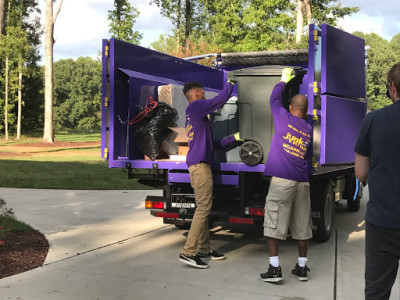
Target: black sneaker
[[274, 274], [212, 254], [193, 260], [300, 272]]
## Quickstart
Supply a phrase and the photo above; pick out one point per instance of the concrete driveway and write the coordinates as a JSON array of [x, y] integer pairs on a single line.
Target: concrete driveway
[[105, 245]]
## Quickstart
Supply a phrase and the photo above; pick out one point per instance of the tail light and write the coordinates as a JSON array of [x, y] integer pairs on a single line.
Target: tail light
[[154, 204], [254, 211]]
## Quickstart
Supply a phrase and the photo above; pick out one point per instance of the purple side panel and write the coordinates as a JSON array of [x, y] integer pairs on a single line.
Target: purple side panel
[[156, 79], [135, 73], [343, 63], [311, 66], [144, 60], [111, 128], [103, 96], [181, 165], [341, 121], [217, 179]]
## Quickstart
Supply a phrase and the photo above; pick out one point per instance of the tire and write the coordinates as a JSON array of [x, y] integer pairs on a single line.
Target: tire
[[353, 204], [323, 210]]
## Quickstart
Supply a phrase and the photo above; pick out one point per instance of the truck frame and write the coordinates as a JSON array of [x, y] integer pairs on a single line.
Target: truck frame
[[333, 79]]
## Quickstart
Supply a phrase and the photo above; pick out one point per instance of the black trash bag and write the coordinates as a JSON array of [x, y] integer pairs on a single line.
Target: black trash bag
[[151, 130]]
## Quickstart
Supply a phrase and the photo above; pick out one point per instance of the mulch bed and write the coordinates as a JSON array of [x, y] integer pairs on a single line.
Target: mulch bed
[[28, 149], [13, 154], [22, 251]]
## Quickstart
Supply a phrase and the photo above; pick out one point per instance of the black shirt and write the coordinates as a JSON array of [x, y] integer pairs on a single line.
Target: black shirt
[[379, 139]]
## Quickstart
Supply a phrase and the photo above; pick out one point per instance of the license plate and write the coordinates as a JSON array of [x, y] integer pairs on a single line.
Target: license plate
[[182, 205]]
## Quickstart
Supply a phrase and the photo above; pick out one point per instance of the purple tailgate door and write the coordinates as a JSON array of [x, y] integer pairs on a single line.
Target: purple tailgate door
[[340, 123], [342, 94], [343, 63]]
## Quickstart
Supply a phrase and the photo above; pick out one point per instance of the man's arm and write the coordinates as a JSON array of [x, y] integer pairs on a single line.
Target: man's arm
[[361, 167], [275, 100], [276, 95], [228, 142], [362, 149], [205, 107]]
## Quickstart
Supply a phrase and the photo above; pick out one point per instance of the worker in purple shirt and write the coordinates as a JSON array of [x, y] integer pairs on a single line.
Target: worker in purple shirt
[[199, 160], [288, 200]]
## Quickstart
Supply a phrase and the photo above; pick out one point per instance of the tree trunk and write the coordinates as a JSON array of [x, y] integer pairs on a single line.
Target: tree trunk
[[178, 26], [19, 100], [307, 7], [2, 16], [299, 21], [188, 16], [6, 102], [48, 135]]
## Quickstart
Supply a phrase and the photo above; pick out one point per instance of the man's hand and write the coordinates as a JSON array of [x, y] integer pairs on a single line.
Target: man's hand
[[237, 137], [231, 78], [287, 75], [232, 81]]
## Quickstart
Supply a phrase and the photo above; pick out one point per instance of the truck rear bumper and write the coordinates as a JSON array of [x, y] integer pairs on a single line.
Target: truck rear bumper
[[173, 218]]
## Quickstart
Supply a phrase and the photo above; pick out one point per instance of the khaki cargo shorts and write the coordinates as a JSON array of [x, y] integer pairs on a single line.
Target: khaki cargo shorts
[[288, 206]]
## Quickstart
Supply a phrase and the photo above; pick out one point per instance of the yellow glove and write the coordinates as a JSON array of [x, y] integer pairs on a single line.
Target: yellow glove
[[287, 75], [232, 81], [231, 78], [237, 137]]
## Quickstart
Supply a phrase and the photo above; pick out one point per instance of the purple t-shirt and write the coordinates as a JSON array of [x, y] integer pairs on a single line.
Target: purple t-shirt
[[198, 130], [286, 158]]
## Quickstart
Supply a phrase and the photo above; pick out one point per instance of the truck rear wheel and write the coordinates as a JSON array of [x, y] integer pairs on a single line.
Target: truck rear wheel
[[323, 210]]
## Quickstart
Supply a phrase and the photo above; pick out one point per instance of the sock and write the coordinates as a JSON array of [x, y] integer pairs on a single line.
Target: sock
[[302, 261], [274, 261]]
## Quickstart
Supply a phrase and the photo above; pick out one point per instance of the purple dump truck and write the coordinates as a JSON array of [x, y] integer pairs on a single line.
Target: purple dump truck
[[331, 72]]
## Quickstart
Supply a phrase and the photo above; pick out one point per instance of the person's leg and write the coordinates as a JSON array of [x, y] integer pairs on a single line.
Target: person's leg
[[204, 239], [201, 178], [300, 219], [274, 272], [203, 244], [303, 247], [381, 261], [276, 221], [272, 246], [278, 206], [300, 227]]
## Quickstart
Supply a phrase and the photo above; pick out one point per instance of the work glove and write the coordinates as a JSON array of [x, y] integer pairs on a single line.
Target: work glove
[[231, 78], [237, 137], [287, 75], [232, 81]]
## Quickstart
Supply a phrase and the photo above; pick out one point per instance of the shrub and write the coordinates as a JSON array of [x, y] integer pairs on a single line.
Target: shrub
[[6, 218]]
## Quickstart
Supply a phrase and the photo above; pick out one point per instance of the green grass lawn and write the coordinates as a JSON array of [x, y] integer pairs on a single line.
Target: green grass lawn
[[67, 170]]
